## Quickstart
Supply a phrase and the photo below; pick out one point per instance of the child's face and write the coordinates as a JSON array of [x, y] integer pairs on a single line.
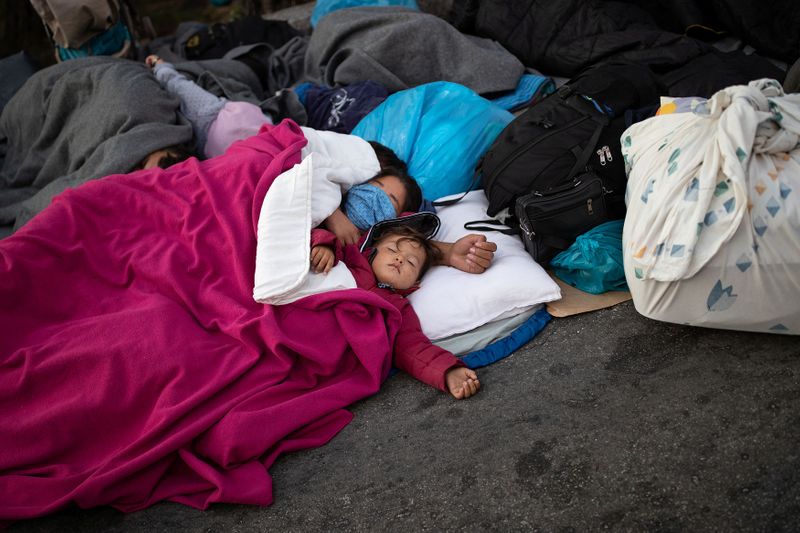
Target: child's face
[[152, 160], [398, 261], [393, 188]]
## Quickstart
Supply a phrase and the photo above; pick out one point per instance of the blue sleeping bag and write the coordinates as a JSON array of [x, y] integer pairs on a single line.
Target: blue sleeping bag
[[440, 129]]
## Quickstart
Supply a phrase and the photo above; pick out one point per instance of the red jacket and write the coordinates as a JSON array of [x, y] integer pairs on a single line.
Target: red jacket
[[413, 351]]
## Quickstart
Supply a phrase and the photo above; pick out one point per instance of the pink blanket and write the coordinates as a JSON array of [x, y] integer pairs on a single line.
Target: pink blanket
[[134, 364]]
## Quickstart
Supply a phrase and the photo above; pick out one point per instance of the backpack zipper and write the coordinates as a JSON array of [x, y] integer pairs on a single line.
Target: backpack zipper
[[574, 189], [604, 153]]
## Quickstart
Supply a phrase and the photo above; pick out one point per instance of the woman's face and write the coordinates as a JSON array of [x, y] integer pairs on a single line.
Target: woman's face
[[398, 261], [393, 188]]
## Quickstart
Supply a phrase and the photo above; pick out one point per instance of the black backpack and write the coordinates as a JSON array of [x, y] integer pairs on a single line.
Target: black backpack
[[559, 145]]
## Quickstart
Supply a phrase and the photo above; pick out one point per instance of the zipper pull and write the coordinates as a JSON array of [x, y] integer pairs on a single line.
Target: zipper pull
[[589, 207], [608, 153], [602, 157]]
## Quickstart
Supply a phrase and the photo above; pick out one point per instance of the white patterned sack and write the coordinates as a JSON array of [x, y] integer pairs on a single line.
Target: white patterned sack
[[712, 233]]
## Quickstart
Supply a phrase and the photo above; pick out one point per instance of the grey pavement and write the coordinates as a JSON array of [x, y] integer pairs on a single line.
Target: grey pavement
[[605, 421]]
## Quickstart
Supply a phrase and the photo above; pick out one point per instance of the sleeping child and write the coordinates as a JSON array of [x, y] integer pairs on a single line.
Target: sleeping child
[[390, 262]]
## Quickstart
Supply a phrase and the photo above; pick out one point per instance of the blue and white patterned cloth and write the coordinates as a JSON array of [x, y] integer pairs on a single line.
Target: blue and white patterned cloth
[[712, 234]]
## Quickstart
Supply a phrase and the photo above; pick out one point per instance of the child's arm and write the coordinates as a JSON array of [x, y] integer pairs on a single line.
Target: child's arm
[[340, 225], [414, 353]]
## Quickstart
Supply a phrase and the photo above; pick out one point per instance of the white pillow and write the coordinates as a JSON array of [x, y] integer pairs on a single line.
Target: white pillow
[[449, 301]]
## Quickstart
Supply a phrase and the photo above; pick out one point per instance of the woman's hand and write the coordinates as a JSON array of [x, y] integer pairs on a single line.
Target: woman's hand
[[340, 225], [471, 253], [462, 382], [322, 259]]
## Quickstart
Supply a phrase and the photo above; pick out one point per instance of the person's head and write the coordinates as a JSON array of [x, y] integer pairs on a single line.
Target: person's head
[[387, 158], [388, 194], [166, 157], [401, 256]]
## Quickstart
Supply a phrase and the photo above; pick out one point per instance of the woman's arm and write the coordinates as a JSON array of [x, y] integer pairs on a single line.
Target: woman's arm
[[340, 225], [471, 253]]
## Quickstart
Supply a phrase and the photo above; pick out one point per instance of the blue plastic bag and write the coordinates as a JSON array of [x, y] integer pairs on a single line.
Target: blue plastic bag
[[594, 261], [440, 129], [323, 7]]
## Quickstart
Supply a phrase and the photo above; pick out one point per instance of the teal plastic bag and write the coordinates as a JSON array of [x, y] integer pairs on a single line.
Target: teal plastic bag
[[594, 261], [440, 129], [323, 7]]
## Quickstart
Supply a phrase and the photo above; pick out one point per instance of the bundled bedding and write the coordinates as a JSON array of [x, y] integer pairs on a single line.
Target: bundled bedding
[[712, 233], [135, 365]]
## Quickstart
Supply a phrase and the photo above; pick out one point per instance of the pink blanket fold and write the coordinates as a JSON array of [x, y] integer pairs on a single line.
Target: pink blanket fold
[[134, 364]]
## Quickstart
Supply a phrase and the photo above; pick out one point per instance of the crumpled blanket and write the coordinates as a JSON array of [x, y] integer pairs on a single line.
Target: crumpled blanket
[[401, 48], [134, 364], [91, 117]]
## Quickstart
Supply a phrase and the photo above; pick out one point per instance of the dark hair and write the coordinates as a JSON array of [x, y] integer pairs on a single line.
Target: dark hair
[[387, 158], [175, 154], [413, 192], [408, 233]]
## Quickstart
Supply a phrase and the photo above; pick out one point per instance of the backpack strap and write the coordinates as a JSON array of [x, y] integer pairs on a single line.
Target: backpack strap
[[476, 178], [486, 225], [582, 157]]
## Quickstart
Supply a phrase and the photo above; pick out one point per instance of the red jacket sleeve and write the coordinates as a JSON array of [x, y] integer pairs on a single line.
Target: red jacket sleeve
[[414, 353]]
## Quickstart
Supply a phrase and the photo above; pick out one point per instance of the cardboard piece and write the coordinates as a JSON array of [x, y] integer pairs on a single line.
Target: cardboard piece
[[575, 301]]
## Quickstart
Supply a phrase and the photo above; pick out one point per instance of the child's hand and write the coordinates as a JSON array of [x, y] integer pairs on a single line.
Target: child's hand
[[462, 382], [322, 259], [340, 225], [152, 60]]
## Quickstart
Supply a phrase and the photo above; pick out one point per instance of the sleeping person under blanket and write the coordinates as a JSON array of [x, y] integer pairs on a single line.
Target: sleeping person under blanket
[[390, 263], [383, 188]]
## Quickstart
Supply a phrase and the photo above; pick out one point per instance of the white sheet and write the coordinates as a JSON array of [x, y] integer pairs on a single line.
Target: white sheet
[[299, 200]]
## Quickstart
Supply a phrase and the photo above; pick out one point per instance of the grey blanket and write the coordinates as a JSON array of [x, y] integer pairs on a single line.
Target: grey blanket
[[400, 48], [79, 120], [89, 118]]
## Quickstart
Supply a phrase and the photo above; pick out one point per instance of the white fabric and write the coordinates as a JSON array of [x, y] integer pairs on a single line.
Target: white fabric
[[298, 200], [340, 161], [449, 301], [712, 233]]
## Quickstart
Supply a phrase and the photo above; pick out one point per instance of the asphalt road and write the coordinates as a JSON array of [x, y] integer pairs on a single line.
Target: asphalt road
[[605, 421]]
